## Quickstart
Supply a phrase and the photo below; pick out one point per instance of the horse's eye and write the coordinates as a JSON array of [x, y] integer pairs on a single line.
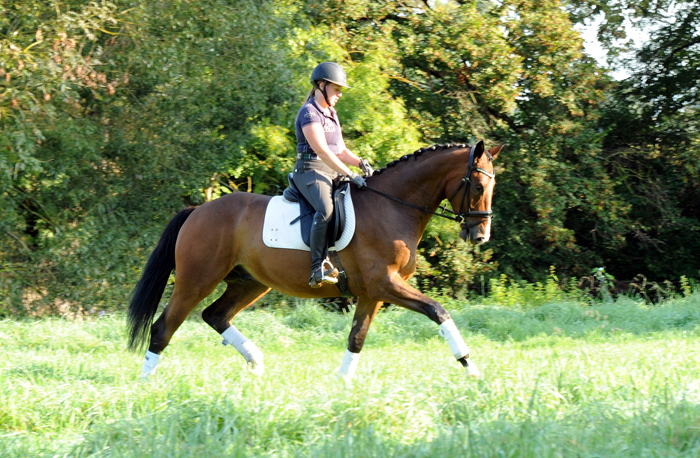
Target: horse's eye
[[479, 188]]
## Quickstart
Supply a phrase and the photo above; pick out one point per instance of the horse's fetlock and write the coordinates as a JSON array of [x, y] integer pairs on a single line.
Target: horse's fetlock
[[443, 315], [437, 313], [356, 342], [159, 338]]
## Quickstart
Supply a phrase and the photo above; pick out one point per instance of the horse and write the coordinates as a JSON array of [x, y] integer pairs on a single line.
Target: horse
[[221, 240]]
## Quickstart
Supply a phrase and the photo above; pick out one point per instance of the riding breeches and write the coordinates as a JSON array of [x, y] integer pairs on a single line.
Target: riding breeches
[[315, 181]]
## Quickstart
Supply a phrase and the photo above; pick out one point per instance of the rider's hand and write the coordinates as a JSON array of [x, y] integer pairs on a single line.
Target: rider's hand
[[358, 180], [366, 168]]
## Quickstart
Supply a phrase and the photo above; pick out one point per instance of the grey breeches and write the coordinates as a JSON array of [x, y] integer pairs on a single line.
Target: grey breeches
[[316, 184]]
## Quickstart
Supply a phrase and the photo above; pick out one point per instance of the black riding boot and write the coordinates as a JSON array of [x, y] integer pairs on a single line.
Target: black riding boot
[[321, 268]]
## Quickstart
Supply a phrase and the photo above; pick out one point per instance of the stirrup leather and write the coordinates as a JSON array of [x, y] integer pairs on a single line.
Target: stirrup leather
[[326, 273]]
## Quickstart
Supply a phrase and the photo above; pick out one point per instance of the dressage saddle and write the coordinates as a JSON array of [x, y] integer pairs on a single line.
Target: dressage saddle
[[306, 211]]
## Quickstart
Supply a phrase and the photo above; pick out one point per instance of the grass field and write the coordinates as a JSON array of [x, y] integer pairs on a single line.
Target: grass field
[[561, 379]]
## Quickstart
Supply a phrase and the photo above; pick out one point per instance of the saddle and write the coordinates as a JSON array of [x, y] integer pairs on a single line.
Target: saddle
[[306, 214]]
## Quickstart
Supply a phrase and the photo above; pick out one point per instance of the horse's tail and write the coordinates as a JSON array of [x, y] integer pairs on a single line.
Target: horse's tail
[[146, 295]]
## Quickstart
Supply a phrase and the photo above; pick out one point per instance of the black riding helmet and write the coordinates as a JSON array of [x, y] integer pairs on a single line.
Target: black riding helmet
[[331, 73]]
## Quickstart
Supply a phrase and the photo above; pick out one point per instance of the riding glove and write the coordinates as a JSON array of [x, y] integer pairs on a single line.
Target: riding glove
[[366, 168], [358, 180]]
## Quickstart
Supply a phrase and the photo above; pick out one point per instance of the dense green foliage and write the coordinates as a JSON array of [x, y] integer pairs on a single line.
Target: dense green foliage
[[562, 379], [652, 146], [114, 115]]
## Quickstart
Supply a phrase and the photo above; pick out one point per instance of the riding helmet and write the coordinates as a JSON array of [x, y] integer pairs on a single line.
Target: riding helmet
[[331, 72]]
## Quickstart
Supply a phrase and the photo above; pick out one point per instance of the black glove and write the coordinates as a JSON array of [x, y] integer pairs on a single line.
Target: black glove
[[358, 180], [366, 168]]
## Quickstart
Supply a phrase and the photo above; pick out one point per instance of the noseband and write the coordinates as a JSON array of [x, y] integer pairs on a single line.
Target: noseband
[[459, 216]]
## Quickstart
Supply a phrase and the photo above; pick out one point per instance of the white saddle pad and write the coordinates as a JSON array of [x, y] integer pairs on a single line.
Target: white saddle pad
[[277, 233]]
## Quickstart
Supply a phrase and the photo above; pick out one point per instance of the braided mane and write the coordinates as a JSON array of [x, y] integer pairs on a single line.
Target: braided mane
[[419, 152]]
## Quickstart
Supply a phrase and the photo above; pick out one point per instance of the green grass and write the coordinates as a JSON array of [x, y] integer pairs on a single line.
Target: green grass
[[561, 379]]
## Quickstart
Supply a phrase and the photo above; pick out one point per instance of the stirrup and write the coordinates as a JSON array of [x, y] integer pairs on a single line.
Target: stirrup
[[320, 275], [329, 270]]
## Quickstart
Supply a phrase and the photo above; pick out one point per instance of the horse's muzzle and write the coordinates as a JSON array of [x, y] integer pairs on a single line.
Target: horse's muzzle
[[464, 235], [475, 241], [473, 235]]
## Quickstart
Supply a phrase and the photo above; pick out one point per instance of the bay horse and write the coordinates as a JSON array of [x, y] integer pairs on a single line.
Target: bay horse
[[222, 240]]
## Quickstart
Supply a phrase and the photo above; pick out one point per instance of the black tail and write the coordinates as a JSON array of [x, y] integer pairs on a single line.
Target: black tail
[[146, 295]]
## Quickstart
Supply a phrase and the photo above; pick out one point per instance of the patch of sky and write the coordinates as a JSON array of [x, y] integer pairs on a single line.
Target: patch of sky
[[638, 31], [595, 49]]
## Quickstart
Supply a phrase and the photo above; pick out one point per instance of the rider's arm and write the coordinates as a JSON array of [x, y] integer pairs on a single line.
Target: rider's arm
[[317, 140], [347, 156]]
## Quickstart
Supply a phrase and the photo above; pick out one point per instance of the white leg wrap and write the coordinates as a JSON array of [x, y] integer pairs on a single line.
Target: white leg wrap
[[349, 364], [245, 347], [449, 331], [149, 364]]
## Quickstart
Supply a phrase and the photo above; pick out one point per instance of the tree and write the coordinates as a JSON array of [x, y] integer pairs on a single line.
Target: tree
[[515, 72], [52, 58], [652, 145], [213, 88]]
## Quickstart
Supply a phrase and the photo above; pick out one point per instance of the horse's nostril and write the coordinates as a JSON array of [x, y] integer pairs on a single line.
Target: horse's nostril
[[479, 240]]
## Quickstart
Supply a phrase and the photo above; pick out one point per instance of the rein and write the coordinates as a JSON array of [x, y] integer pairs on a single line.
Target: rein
[[466, 194]]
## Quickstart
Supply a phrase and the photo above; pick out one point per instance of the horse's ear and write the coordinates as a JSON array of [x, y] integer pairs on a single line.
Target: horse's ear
[[496, 149], [479, 149]]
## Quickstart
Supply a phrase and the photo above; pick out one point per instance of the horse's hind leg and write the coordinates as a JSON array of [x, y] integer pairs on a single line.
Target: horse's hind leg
[[242, 291], [189, 291], [181, 304]]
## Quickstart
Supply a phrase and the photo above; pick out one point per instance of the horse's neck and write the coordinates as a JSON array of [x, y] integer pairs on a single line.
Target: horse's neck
[[421, 183]]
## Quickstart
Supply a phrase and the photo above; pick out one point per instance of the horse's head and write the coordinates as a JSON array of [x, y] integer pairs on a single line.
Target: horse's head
[[471, 194]]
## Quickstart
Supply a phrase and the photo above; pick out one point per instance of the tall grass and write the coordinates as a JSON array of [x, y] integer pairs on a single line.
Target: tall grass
[[560, 379]]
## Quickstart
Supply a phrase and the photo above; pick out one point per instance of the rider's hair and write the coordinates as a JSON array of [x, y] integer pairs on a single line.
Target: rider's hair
[[312, 92]]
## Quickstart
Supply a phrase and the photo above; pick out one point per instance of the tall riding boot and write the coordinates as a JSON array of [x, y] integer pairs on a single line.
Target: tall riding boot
[[319, 271]]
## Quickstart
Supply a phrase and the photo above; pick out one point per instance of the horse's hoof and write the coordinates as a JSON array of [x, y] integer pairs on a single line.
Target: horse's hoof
[[256, 368], [472, 370], [146, 375]]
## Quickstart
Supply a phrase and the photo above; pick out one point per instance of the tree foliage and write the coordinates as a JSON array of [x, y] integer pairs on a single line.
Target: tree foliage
[[652, 146]]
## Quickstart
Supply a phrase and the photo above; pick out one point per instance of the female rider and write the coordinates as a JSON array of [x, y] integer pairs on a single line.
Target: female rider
[[321, 157]]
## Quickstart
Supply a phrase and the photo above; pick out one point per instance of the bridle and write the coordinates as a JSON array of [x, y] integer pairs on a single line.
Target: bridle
[[459, 216]]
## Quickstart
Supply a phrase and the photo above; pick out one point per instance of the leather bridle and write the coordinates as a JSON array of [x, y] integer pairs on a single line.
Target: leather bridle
[[459, 216]]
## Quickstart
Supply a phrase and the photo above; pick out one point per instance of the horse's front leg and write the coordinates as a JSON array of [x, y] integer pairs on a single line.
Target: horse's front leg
[[365, 312], [396, 291]]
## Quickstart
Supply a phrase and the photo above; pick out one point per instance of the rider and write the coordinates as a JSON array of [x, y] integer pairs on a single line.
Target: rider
[[321, 157]]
